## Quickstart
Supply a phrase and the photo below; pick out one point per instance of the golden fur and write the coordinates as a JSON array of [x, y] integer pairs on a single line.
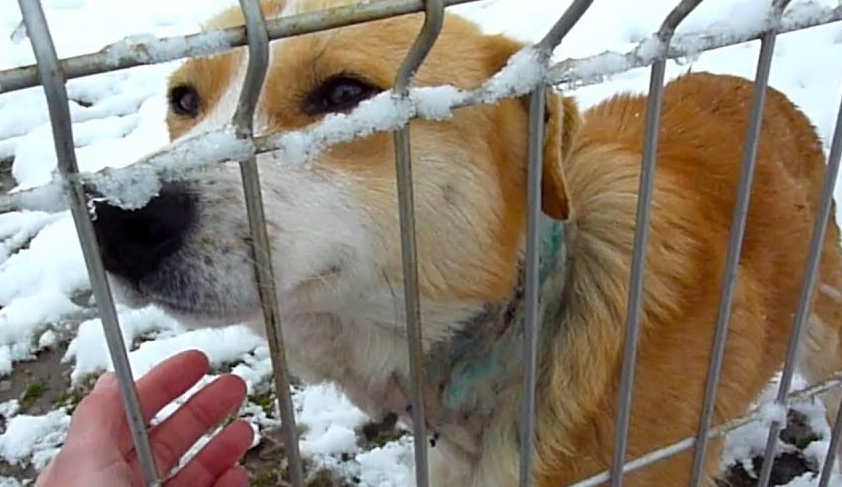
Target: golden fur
[[470, 193]]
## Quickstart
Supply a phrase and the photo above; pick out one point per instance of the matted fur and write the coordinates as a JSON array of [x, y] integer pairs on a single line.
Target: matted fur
[[336, 248]]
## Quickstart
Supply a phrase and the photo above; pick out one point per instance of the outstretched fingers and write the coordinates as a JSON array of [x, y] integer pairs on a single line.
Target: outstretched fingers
[[171, 439], [216, 464], [162, 384]]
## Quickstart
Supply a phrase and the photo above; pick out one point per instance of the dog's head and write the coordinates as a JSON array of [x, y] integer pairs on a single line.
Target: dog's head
[[333, 223]]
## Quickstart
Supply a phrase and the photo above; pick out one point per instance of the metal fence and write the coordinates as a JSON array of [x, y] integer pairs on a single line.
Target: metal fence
[[70, 189]]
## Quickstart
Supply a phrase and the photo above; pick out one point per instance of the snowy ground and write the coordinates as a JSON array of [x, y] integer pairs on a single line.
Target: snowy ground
[[50, 343]]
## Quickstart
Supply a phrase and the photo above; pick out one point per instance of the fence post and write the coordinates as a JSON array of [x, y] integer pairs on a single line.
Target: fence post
[[738, 222], [638, 264], [53, 81], [243, 120], [433, 20]]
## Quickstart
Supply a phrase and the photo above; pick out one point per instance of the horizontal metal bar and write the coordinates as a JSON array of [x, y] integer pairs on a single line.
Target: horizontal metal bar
[[53, 82], [581, 71], [577, 72], [572, 71], [815, 390], [126, 54]]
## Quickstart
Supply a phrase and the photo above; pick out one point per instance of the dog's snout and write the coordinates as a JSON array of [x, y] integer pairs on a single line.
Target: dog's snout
[[133, 243]]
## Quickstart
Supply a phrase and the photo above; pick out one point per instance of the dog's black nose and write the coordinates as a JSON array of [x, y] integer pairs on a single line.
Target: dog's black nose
[[133, 243]]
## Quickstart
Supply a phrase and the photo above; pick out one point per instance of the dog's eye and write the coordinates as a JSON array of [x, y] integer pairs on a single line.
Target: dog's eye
[[339, 94], [184, 100]]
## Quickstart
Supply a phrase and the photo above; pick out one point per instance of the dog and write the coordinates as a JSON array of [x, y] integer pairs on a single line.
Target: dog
[[334, 231]]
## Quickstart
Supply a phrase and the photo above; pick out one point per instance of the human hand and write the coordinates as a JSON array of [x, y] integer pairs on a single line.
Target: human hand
[[98, 450]]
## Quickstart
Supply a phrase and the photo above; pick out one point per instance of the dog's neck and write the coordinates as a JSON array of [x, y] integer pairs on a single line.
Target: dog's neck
[[466, 374], [491, 342]]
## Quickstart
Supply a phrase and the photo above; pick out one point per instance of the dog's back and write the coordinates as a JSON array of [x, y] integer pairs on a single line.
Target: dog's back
[[703, 126]]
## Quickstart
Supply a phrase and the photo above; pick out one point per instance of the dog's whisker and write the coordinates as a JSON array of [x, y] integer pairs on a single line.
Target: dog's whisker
[[397, 328], [831, 292], [815, 320]]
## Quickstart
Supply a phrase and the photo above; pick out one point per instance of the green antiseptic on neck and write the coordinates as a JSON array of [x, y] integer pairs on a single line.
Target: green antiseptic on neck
[[551, 234], [487, 352]]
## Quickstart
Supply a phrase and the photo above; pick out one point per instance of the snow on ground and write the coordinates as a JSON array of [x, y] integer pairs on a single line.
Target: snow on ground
[[118, 118]]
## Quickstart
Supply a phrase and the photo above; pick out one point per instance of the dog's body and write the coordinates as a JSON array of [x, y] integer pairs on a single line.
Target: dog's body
[[334, 231]]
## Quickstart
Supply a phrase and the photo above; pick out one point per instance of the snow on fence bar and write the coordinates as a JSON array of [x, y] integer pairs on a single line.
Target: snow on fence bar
[[527, 72], [382, 113]]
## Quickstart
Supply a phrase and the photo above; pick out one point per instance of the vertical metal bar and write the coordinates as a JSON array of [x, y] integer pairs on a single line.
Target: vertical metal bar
[[258, 63], [52, 79], [647, 175], [537, 106], [668, 451], [433, 20], [832, 169], [832, 449], [632, 325], [537, 110], [674, 18], [806, 294], [738, 221], [560, 29]]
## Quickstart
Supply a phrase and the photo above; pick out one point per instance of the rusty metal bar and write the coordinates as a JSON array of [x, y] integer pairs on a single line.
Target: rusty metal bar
[[52, 79], [243, 120]]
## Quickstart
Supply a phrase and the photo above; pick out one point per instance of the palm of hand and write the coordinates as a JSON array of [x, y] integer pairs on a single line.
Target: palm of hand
[[98, 449]]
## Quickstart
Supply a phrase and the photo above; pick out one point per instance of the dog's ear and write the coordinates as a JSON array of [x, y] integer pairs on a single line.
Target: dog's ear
[[562, 120]]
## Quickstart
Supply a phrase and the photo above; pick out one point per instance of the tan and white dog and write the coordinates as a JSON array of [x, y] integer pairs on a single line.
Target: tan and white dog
[[334, 232]]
